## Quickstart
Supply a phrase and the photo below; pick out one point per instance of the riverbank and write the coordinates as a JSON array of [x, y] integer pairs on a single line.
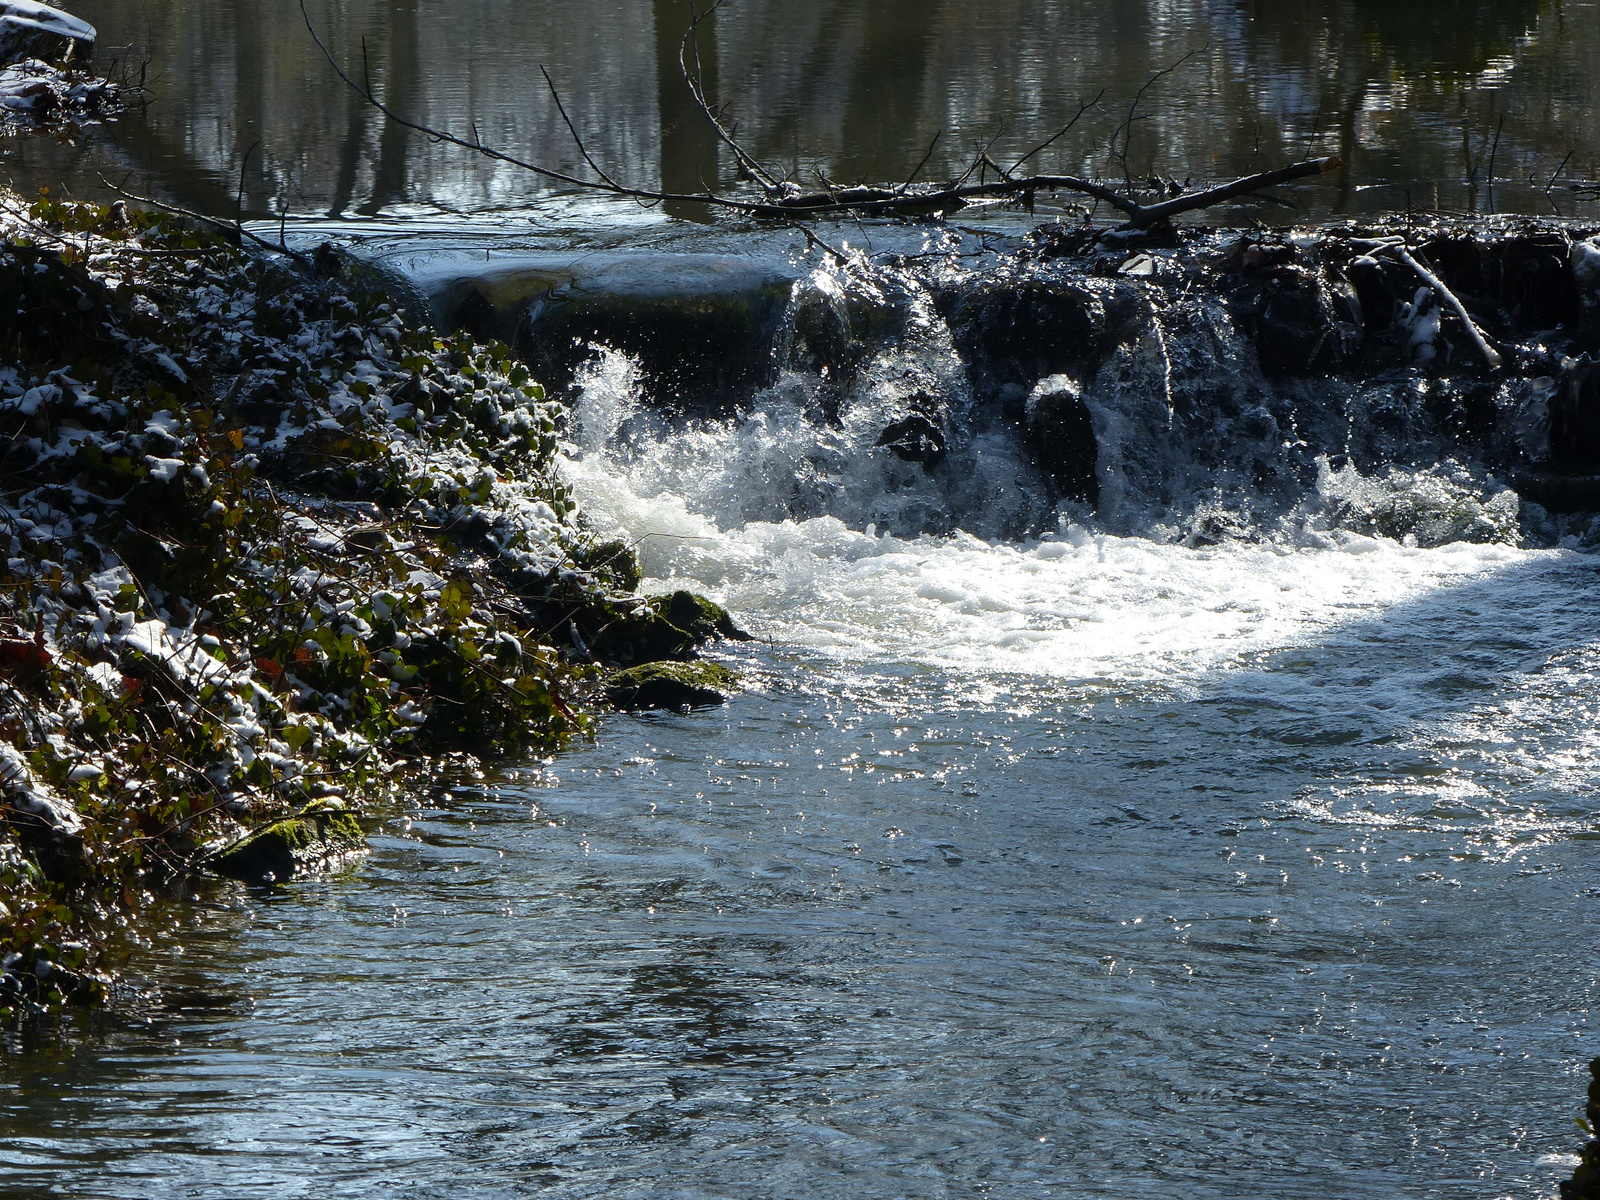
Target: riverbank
[[269, 549]]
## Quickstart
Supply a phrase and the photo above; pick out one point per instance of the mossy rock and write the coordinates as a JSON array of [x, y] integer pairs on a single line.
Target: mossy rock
[[671, 685], [664, 627], [614, 562], [321, 833], [698, 617]]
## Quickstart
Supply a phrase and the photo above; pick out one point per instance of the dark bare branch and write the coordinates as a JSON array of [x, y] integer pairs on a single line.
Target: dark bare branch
[[1125, 130], [695, 78], [785, 202], [1168, 209], [571, 128], [234, 227], [1083, 107], [912, 178]]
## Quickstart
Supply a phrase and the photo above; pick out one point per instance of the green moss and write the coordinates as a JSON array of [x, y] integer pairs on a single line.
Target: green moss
[[697, 616], [321, 833], [671, 685], [615, 563]]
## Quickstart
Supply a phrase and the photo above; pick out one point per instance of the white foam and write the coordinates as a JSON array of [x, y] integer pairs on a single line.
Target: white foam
[[709, 506], [1078, 607]]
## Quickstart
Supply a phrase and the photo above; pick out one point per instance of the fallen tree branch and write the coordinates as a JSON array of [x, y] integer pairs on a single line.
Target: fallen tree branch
[[883, 201], [1083, 107], [1396, 245], [696, 81], [234, 227], [784, 200], [1490, 354]]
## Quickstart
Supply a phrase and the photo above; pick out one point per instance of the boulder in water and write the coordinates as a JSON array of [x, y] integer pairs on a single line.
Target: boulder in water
[[1575, 417], [316, 837], [671, 685], [32, 30], [1019, 329], [1294, 314], [917, 439], [1060, 437]]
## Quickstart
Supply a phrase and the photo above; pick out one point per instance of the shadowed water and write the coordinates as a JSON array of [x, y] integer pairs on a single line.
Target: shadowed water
[[1456, 104]]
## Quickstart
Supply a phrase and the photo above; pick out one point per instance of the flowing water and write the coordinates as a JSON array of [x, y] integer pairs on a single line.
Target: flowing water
[[1045, 852], [1081, 865]]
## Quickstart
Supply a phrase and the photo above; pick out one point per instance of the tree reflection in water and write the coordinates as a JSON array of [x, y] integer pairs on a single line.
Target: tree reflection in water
[[1408, 94]]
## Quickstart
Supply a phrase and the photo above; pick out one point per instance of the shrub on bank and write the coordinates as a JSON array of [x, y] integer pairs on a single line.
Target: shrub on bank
[[264, 543]]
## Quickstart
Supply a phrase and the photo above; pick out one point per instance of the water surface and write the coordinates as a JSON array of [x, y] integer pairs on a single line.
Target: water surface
[[1426, 103], [1242, 872]]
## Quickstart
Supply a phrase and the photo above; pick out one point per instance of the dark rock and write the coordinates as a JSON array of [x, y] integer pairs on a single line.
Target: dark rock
[[916, 439], [628, 631], [1559, 493], [615, 562], [1575, 417], [1290, 312], [1584, 264], [1060, 437], [315, 838], [1018, 330], [1508, 282], [671, 685], [698, 617]]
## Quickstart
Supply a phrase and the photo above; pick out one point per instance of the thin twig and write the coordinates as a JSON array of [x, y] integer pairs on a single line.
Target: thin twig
[[244, 166], [696, 81], [912, 178], [234, 227], [1083, 107], [1551, 185], [571, 128], [1495, 150], [1126, 128]]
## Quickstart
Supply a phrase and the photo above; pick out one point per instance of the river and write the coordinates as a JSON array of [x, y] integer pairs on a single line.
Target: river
[[1085, 861]]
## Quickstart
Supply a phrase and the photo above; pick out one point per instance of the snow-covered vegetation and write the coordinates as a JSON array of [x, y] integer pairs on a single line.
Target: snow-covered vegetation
[[263, 545]]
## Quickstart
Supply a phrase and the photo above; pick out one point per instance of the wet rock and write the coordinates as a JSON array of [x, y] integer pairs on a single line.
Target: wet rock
[[626, 631], [315, 838], [835, 324], [1559, 493], [1585, 265], [1291, 313], [671, 685], [1511, 282], [1574, 445], [1060, 437], [700, 618], [615, 562], [915, 438], [1018, 330], [33, 30]]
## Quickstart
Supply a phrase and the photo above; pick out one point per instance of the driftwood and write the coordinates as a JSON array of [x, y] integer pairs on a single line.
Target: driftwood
[[1397, 246], [1490, 354], [783, 199]]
